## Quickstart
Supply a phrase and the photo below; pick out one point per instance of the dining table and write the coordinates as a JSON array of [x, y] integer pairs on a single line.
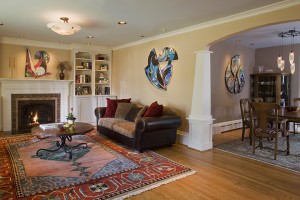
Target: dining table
[[290, 116]]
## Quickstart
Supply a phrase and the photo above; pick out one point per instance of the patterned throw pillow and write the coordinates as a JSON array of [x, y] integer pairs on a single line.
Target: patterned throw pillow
[[112, 105], [154, 110], [123, 109]]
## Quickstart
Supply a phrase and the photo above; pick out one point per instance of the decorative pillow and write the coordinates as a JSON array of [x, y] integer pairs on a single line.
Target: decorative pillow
[[131, 115], [123, 109], [154, 110], [112, 105]]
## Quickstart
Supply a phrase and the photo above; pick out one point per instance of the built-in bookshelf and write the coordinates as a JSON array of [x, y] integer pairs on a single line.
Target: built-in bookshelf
[[92, 73]]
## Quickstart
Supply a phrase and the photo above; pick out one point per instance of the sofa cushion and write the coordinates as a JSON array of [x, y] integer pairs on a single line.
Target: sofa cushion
[[123, 109], [154, 110], [125, 128], [109, 122], [112, 105]]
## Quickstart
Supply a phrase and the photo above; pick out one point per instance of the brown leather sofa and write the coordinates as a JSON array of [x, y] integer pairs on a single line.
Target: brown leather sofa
[[149, 132]]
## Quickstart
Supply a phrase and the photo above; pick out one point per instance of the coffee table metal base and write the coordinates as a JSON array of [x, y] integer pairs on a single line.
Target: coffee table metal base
[[62, 145]]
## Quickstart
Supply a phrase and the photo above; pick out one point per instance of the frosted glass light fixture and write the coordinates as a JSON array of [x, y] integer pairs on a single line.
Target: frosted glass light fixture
[[64, 28], [280, 60]]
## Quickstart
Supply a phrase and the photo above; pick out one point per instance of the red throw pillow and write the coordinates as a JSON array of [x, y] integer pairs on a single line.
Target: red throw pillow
[[154, 110], [112, 105]]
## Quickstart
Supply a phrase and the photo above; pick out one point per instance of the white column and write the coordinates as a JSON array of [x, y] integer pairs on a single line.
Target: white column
[[200, 119]]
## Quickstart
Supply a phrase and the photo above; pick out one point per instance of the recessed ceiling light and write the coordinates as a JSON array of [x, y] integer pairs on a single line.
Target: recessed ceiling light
[[1, 24], [122, 22], [90, 36]]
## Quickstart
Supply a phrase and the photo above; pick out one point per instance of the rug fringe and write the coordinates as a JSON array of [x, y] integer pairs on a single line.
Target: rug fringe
[[150, 187]]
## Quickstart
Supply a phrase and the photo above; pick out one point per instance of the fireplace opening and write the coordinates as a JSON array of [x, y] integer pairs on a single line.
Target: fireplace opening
[[29, 110], [35, 112]]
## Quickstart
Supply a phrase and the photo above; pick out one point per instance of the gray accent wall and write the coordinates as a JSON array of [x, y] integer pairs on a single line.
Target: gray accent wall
[[225, 105], [267, 57]]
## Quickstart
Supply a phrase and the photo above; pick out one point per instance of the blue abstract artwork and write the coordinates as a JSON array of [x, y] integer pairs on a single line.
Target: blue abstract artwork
[[160, 78]]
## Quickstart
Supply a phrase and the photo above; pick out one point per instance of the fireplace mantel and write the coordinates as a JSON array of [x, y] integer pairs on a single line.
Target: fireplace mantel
[[30, 86]]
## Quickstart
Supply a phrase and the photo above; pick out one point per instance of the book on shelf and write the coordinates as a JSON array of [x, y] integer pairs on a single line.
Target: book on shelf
[[49, 126]]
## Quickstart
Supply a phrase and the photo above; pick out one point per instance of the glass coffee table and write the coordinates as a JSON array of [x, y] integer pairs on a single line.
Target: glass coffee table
[[65, 134]]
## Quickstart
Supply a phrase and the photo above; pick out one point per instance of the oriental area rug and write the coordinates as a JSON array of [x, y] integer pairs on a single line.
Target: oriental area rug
[[266, 154], [103, 170]]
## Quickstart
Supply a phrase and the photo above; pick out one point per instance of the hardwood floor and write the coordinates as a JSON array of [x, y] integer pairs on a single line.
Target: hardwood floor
[[223, 176]]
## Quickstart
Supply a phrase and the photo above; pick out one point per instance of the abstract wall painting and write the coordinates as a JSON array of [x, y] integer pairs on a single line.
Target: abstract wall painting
[[40, 68], [160, 78], [235, 75]]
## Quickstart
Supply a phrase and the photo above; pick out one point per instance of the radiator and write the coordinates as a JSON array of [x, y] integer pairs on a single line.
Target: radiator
[[226, 126]]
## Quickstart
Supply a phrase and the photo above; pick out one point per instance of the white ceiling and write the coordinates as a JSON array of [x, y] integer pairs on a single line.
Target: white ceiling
[[148, 18]]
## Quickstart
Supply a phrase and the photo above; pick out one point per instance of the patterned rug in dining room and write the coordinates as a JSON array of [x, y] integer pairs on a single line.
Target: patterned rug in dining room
[[104, 170], [266, 155]]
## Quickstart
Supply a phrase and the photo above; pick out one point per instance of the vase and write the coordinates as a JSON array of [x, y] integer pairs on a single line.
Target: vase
[[62, 75], [71, 121]]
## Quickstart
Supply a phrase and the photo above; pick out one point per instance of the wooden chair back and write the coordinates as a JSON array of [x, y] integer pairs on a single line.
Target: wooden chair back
[[245, 109], [262, 111]]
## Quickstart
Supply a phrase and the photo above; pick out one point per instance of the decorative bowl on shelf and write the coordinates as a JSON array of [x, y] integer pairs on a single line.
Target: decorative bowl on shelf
[[291, 108]]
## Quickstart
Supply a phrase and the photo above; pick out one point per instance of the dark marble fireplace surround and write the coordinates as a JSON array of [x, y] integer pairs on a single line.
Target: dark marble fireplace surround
[[49, 100]]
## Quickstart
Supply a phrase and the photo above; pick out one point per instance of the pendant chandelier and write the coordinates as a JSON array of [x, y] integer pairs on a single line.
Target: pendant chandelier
[[280, 60], [64, 28]]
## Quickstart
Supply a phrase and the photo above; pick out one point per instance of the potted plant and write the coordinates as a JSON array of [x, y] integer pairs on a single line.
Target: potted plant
[[70, 117], [63, 66]]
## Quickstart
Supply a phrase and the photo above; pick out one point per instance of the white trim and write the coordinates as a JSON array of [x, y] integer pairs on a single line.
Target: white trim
[[242, 15], [182, 137], [226, 126]]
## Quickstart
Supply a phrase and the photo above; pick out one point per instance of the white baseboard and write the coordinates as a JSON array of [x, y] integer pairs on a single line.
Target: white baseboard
[[182, 137], [226, 126]]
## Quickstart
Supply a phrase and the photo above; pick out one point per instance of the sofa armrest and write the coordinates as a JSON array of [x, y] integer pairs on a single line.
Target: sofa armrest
[[99, 113], [158, 123]]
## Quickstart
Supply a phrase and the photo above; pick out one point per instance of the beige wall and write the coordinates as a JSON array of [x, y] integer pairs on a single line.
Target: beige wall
[[225, 105], [13, 60], [129, 79]]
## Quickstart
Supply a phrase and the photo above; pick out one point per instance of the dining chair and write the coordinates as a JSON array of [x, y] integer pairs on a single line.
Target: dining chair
[[245, 105], [267, 126], [296, 103]]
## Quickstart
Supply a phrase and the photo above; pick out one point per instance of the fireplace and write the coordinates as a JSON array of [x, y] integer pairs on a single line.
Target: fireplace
[[29, 110]]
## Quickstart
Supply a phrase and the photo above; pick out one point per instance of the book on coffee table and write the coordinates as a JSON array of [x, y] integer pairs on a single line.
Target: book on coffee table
[[49, 126]]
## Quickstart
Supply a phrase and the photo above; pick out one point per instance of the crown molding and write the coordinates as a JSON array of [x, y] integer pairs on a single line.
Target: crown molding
[[242, 15], [35, 43], [53, 45]]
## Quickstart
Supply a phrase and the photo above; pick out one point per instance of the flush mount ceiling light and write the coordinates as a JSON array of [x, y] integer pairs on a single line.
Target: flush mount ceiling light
[[122, 22], [280, 60], [64, 28]]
